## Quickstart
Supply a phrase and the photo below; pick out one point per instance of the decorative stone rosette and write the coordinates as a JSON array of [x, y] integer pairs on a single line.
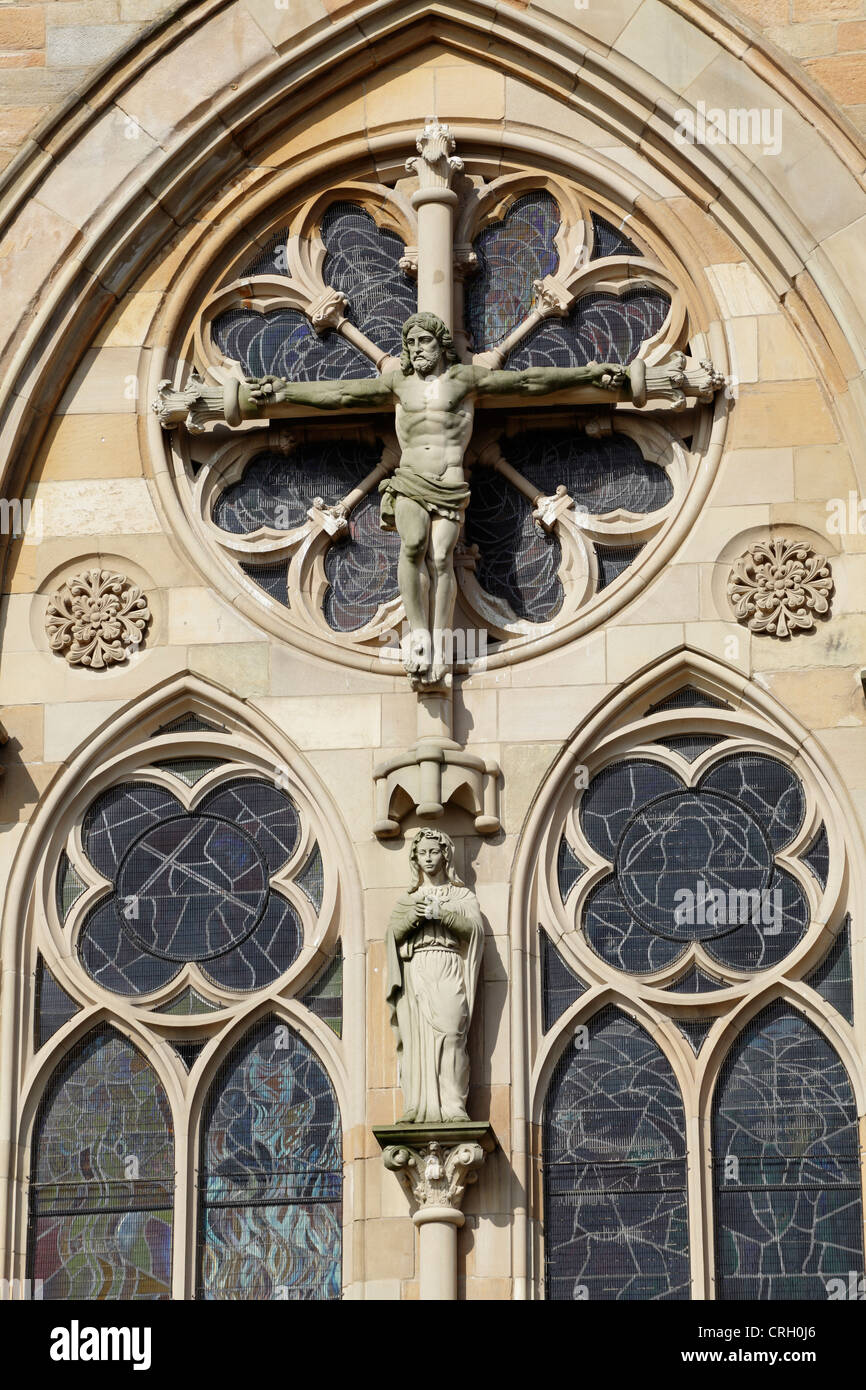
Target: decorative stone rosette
[[96, 619], [778, 586]]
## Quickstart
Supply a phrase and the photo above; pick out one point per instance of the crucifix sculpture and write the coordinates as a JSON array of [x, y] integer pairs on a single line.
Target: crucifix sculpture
[[433, 394]]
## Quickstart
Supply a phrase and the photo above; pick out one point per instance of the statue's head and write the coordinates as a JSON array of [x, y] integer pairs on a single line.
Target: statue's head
[[426, 339], [429, 850]]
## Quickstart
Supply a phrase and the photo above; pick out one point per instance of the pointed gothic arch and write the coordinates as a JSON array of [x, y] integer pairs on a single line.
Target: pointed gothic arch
[[685, 698], [153, 738]]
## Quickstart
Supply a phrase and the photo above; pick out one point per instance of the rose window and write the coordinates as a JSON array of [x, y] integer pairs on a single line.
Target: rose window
[[563, 501]]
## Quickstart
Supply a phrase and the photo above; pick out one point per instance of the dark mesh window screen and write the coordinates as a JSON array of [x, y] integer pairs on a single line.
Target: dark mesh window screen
[[817, 856], [277, 490], [70, 886], [361, 569], [189, 1001], [324, 997], [190, 886], [609, 241], [311, 879], [598, 474], [274, 579], [786, 1159], [560, 987], [518, 561], [102, 1180], [284, 343], [694, 864], [832, 979], [54, 1006], [189, 724], [695, 1029], [511, 255], [614, 560], [363, 263], [188, 1052], [614, 1158], [568, 868], [687, 698], [600, 328], [270, 1182]]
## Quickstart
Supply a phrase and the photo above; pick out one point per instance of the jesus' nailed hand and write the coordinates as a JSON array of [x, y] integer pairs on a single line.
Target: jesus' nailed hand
[[424, 499]]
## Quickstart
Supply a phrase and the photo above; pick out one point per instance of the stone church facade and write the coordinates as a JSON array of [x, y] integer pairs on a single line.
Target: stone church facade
[[645, 749]]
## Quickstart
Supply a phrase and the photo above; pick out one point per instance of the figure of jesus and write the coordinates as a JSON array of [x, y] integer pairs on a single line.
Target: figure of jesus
[[434, 944], [425, 498]]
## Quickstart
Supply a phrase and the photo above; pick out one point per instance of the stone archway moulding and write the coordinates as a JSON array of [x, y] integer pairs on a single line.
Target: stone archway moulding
[[58, 309]]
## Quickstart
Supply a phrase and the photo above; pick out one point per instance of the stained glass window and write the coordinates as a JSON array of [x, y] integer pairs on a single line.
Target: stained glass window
[[832, 978], [54, 1006], [694, 864], [362, 262], [600, 328], [324, 997], [560, 987], [614, 1157], [277, 490], [786, 1159], [600, 475], [512, 254], [518, 561], [361, 569], [190, 886], [568, 868], [102, 1179], [270, 1174]]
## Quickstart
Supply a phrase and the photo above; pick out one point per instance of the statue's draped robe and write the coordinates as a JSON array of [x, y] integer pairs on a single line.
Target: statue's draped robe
[[432, 974]]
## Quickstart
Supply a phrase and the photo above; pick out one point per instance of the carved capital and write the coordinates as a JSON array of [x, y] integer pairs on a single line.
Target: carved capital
[[778, 586], [408, 262], [435, 164], [331, 518], [97, 619], [435, 1165], [552, 299], [328, 311], [465, 261], [548, 510], [196, 405]]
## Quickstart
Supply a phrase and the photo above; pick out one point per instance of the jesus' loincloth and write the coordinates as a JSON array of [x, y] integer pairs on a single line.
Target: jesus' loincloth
[[443, 499]]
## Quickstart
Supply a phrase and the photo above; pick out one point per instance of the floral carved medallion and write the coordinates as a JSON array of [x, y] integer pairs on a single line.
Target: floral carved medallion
[[778, 586], [97, 619]]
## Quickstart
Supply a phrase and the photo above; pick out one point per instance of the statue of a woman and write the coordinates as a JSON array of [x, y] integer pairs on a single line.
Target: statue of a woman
[[434, 944]]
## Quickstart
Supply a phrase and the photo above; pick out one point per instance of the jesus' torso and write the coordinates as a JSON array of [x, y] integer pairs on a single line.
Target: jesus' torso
[[433, 420]]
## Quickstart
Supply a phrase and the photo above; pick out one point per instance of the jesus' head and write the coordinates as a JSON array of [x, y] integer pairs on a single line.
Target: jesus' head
[[426, 339]]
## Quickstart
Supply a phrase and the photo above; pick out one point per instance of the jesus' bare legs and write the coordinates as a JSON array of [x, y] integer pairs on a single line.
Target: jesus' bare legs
[[426, 543]]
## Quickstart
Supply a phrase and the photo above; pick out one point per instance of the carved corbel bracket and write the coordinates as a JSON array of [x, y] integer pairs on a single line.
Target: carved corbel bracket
[[436, 1163], [426, 779]]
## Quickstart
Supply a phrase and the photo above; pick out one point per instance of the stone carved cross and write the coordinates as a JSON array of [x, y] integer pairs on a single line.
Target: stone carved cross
[[433, 395]]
